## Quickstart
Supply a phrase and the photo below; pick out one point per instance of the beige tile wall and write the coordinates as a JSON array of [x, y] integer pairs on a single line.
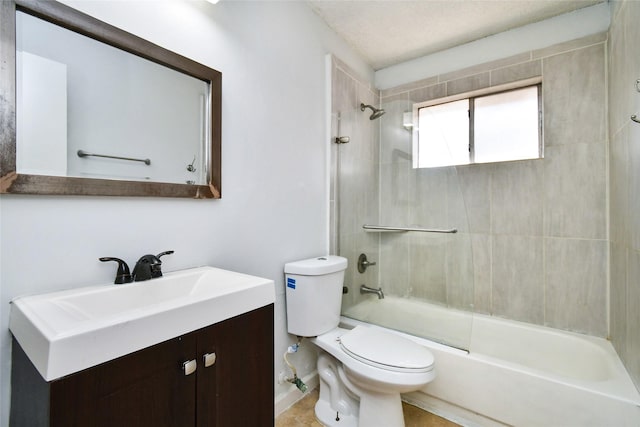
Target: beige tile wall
[[354, 175], [624, 167], [539, 233], [534, 242]]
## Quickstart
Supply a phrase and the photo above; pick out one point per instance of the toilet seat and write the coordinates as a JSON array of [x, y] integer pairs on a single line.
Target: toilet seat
[[367, 372], [385, 350]]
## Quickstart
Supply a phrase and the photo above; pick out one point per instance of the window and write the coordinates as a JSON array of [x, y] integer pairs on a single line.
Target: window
[[486, 128]]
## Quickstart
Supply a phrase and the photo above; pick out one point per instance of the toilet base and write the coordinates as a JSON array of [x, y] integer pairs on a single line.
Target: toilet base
[[367, 417], [343, 403], [330, 418]]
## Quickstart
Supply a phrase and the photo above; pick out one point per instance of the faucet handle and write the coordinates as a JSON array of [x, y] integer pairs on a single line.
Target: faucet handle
[[122, 275], [156, 270], [164, 253]]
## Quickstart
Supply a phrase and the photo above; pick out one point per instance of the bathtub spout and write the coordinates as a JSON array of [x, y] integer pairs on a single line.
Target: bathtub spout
[[367, 290]]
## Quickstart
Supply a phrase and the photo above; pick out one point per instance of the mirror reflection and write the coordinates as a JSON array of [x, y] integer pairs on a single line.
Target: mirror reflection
[[87, 109]]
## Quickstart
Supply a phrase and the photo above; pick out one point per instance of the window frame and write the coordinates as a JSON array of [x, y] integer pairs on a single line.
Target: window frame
[[471, 96]]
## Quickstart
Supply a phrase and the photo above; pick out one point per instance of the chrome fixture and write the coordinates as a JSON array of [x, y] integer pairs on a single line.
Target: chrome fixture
[[82, 153], [342, 139], [367, 290], [376, 112], [191, 167], [386, 228], [363, 263]]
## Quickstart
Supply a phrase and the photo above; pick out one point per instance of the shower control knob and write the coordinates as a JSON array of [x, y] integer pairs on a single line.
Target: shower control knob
[[363, 263]]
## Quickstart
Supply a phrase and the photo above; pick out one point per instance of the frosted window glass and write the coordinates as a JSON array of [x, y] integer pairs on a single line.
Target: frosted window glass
[[506, 126], [444, 134]]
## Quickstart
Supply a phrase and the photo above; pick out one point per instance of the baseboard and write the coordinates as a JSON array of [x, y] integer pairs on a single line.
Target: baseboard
[[285, 400]]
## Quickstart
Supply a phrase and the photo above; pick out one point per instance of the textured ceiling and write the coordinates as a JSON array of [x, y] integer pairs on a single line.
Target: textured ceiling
[[387, 32]]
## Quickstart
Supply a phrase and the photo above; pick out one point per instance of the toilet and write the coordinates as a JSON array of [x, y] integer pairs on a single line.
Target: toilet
[[362, 370]]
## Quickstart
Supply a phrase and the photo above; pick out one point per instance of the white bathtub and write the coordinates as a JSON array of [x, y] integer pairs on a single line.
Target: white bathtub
[[515, 373]]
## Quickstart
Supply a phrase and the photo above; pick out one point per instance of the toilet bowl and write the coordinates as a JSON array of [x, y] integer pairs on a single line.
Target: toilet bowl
[[363, 370], [373, 368], [378, 359]]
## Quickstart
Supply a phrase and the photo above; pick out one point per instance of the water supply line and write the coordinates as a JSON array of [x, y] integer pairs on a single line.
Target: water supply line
[[294, 380]]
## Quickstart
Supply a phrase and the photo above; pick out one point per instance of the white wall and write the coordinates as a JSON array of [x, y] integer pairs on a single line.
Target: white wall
[[274, 149]]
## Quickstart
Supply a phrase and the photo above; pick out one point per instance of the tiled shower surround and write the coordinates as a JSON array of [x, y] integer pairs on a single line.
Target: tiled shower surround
[[537, 229], [532, 242], [624, 167], [554, 241]]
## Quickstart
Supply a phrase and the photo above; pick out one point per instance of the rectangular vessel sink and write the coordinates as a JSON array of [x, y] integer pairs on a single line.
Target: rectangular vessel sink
[[68, 331]]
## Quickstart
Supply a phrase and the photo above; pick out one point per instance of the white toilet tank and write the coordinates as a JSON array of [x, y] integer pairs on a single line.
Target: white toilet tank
[[314, 294]]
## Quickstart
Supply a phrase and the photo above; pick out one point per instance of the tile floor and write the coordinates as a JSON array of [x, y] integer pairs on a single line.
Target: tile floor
[[301, 414]]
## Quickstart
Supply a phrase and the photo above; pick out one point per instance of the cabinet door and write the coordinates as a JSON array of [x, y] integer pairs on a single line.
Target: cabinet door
[[237, 391], [145, 388]]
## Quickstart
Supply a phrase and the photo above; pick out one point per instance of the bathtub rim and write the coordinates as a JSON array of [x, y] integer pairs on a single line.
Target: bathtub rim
[[621, 387]]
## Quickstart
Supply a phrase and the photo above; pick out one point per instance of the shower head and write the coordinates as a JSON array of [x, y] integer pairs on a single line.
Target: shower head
[[376, 112]]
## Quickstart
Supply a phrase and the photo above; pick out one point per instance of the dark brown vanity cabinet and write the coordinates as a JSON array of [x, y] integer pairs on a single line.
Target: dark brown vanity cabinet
[[151, 387]]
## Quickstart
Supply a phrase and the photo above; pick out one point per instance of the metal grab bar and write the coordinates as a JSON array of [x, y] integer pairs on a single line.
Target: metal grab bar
[[404, 229], [82, 153]]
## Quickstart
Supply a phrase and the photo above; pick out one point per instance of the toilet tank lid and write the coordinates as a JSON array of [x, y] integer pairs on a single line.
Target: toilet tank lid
[[317, 266]]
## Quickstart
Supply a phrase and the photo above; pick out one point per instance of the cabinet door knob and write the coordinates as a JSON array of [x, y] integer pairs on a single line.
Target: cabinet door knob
[[209, 359], [189, 367]]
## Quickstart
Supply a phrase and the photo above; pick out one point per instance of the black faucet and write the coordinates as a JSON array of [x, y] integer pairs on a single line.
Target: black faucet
[[123, 275], [147, 267]]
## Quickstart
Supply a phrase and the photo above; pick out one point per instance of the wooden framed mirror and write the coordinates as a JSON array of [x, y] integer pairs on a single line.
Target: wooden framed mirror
[[59, 137]]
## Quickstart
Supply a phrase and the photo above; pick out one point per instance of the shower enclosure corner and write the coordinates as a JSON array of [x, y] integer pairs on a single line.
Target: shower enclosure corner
[[417, 230]]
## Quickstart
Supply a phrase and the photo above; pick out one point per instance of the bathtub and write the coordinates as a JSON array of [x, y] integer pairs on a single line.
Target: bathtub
[[514, 373]]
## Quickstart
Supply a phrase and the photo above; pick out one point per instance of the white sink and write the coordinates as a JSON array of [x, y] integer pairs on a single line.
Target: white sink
[[68, 331]]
